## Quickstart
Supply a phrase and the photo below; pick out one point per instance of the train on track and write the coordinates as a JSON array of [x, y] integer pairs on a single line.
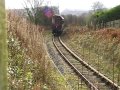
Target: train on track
[[57, 25]]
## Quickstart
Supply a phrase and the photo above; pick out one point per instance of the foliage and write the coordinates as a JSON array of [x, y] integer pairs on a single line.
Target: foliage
[[37, 13], [110, 15], [20, 73], [30, 67], [98, 10], [37, 16]]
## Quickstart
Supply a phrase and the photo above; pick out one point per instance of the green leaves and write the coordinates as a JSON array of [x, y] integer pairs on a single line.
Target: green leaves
[[110, 15], [19, 66]]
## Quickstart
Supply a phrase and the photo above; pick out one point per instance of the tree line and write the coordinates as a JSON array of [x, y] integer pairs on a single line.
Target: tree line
[[108, 15], [99, 14], [41, 15], [95, 17]]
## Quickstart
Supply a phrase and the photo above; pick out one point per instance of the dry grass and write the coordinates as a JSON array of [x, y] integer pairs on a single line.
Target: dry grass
[[31, 40], [44, 75], [108, 33]]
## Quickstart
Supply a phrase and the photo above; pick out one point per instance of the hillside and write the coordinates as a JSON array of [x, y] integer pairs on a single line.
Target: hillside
[[73, 12]]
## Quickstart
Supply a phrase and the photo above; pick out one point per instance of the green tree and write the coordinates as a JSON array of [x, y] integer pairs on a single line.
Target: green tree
[[3, 48], [109, 15]]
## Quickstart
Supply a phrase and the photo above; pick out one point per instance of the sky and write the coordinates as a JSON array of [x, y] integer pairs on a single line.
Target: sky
[[66, 4]]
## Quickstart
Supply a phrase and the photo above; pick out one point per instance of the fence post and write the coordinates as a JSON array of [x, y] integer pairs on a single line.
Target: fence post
[[119, 23], [113, 23], [110, 24]]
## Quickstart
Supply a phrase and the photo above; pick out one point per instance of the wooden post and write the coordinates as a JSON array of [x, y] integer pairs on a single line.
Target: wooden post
[[119, 23], [113, 23], [110, 24], [3, 48]]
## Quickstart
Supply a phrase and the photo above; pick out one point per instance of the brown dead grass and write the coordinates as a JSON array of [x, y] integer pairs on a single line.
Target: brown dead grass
[[29, 34], [31, 39], [108, 33]]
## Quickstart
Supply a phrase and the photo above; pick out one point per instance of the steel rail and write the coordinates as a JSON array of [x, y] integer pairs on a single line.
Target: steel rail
[[87, 82]]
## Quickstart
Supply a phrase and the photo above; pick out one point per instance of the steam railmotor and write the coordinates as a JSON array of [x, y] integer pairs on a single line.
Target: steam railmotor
[[57, 25]]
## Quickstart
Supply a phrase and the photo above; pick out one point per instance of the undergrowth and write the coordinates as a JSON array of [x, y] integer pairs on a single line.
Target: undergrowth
[[30, 67]]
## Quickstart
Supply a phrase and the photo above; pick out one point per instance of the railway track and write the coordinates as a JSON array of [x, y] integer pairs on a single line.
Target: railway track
[[90, 76]]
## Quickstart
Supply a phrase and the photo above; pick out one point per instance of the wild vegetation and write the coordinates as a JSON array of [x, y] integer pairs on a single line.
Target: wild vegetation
[[108, 15], [29, 66], [103, 16]]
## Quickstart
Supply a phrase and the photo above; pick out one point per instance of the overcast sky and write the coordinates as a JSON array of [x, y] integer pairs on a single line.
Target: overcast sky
[[66, 4]]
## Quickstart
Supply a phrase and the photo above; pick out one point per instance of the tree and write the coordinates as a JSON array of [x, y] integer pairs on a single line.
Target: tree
[[39, 14], [3, 48], [98, 10], [110, 15], [98, 6]]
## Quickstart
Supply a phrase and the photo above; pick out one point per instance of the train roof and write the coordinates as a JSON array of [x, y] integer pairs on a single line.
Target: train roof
[[58, 16]]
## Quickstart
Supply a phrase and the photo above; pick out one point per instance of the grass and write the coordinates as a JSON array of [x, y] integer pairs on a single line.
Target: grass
[[101, 49], [30, 67]]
